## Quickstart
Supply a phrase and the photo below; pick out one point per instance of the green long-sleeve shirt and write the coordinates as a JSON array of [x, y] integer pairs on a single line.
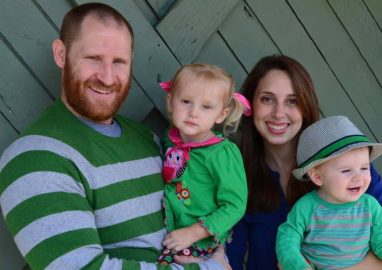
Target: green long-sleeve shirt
[[215, 178]]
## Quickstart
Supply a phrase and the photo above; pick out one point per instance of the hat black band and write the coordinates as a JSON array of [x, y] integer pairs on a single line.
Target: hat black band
[[334, 147]]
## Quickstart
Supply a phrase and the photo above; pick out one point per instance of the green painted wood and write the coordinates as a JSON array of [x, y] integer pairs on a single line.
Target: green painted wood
[[27, 29], [246, 37], [7, 135], [375, 8], [21, 97], [147, 11], [364, 31], [160, 6], [344, 59], [55, 10], [10, 257], [153, 61], [189, 24], [216, 52], [299, 45], [137, 105]]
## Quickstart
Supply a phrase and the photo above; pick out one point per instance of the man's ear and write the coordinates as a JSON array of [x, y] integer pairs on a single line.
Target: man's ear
[[315, 176], [59, 52], [222, 116]]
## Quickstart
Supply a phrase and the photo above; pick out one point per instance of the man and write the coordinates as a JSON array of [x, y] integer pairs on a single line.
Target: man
[[81, 188]]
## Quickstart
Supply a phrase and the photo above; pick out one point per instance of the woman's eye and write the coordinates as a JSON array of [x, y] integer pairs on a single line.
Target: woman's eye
[[292, 102], [266, 99]]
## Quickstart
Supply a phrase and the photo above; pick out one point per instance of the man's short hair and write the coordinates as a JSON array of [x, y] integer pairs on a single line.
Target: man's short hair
[[71, 24]]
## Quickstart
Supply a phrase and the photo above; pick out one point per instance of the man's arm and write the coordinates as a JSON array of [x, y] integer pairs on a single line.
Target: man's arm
[[48, 209]]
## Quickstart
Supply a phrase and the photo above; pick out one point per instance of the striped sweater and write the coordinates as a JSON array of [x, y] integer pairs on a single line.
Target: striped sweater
[[329, 236], [74, 198]]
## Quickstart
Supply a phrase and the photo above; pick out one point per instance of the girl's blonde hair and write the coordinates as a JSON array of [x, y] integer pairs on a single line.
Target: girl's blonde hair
[[200, 73]]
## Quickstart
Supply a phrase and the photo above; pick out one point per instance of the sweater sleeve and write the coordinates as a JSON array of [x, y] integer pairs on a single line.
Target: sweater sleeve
[[376, 229], [227, 170], [290, 236], [48, 210], [375, 187]]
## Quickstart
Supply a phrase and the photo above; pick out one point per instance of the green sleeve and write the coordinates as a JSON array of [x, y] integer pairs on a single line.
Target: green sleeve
[[376, 228], [290, 236], [227, 170]]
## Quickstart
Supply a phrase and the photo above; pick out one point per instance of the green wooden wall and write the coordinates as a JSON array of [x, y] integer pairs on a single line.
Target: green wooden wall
[[338, 41]]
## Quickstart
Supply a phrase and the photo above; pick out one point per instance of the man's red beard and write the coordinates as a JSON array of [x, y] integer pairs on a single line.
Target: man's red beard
[[75, 95]]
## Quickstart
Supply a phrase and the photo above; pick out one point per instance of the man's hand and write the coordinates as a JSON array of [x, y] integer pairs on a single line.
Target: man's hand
[[183, 238]]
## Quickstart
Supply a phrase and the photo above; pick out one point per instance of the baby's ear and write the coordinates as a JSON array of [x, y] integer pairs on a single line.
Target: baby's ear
[[315, 176]]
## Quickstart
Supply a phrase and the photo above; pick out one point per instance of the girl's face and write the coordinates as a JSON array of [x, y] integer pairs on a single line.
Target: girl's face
[[344, 178], [195, 109], [277, 116]]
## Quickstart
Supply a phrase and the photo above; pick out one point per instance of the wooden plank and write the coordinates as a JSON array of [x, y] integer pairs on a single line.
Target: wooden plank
[[160, 6], [137, 105], [375, 7], [56, 10], [27, 29], [189, 24], [10, 257], [364, 31], [299, 45], [7, 135], [344, 59], [147, 11], [21, 97], [246, 37], [153, 61], [216, 52]]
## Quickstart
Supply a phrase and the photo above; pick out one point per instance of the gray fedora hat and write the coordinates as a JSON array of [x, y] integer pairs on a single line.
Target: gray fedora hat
[[329, 138]]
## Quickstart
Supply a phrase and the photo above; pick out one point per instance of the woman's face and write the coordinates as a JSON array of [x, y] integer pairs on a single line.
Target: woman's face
[[277, 115]]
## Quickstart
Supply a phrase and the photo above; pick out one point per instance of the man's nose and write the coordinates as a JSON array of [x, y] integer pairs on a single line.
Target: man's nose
[[105, 74]]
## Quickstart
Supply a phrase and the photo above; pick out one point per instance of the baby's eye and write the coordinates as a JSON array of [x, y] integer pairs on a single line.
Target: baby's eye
[[185, 101], [206, 107], [345, 171], [365, 169]]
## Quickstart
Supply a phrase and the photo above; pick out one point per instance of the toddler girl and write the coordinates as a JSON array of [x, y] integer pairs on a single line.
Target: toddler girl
[[206, 190]]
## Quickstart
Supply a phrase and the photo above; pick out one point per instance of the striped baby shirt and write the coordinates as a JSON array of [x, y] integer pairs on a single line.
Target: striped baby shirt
[[329, 236]]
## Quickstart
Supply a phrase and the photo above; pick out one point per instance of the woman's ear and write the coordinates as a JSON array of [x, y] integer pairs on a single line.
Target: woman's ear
[[315, 176], [59, 51]]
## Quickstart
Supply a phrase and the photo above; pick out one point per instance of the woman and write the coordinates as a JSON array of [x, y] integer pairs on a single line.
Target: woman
[[284, 103]]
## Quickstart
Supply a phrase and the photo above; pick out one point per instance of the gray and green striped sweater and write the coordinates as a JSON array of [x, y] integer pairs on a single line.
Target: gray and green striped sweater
[[74, 198]]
